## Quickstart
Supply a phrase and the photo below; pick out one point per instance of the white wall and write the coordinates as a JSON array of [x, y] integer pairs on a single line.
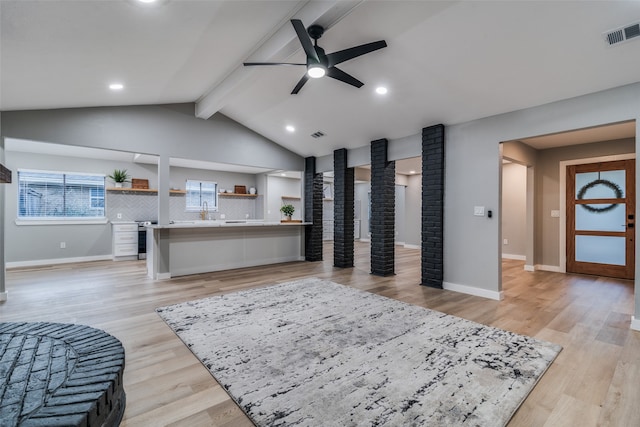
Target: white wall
[[514, 210]]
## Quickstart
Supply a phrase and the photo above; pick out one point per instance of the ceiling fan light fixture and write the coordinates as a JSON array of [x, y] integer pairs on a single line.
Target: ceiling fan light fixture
[[316, 71]]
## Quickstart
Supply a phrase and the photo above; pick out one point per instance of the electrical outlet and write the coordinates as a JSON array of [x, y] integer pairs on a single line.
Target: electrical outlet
[[222, 216], [505, 241], [119, 215], [63, 245]]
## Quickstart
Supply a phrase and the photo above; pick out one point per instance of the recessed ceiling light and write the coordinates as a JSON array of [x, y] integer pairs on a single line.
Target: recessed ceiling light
[[381, 90], [290, 128], [116, 86], [412, 171], [283, 174], [147, 1]]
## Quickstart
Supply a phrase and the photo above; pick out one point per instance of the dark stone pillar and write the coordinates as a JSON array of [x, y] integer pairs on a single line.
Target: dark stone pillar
[[343, 204], [432, 206], [383, 202], [312, 211]]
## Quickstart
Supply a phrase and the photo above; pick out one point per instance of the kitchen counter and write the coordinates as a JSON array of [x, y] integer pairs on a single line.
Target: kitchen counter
[[201, 246], [225, 223]]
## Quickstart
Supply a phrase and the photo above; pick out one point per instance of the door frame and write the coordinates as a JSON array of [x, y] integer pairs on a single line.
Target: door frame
[[563, 197]]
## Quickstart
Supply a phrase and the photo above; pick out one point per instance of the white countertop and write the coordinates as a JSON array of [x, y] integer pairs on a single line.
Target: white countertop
[[228, 223]]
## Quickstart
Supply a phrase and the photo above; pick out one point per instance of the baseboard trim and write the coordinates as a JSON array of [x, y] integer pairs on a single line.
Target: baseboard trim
[[635, 323], [364, 239], [409, 246], [471, 290], [529, 268], [3, 296], [514, 256], [552, 268], [40, 262], [163, 276]]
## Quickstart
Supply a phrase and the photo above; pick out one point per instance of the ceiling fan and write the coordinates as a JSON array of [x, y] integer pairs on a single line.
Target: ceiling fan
[[320, 64]]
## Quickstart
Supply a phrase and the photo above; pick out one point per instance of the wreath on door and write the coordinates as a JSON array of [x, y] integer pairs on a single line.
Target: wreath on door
[[616, 189]]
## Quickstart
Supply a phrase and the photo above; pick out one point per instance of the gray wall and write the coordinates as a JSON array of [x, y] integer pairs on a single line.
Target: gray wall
[[282, 186], [400, 221], [514, 209], [42, 242], [361, 193], [169, 130], [413, 210], [473, 175], [547, 241], [2, 203]]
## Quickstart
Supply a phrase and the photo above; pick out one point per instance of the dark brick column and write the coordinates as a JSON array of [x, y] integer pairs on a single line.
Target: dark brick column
[[432, 206], [312, 211], [383, 203], [344, 188]]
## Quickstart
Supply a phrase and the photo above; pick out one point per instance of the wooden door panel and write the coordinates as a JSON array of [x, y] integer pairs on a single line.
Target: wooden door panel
[[610, 197]]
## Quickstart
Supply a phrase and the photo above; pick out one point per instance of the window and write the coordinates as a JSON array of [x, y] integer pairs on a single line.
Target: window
[[199, 192], [60, 195]]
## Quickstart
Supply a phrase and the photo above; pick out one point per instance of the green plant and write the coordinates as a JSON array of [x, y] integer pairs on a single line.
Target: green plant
[[287, 210], [119, 175]]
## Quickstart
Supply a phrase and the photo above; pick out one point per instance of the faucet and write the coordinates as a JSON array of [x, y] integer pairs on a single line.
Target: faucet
[[204, 213]]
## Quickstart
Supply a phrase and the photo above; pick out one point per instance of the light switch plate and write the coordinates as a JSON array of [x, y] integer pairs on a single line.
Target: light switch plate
[[478, 210]]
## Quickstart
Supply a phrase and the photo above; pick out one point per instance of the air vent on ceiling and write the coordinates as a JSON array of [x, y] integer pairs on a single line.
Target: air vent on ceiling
[[317, 134], [622, 34]]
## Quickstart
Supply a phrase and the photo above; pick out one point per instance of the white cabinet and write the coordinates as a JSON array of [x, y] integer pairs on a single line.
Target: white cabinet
[[125, 241]]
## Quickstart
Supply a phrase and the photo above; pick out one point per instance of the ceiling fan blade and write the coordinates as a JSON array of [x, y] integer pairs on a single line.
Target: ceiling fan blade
[[301, 83], [338, 74], [305, 40], [336, 58], [250, 64]]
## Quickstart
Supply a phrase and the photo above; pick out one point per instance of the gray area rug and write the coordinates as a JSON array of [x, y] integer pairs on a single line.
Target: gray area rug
[[315, 353]]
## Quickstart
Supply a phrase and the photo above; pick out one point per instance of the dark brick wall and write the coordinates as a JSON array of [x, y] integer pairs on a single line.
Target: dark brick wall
[[383, 201], [432, 205], [343, 210], [312, 211]]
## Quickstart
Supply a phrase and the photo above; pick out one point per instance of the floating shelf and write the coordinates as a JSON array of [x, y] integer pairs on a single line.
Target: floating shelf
[[143, 190], [291, 197], [236, 195]]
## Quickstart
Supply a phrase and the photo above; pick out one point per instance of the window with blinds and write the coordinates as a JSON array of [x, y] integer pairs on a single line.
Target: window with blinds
[[60, 195], [199, 192]]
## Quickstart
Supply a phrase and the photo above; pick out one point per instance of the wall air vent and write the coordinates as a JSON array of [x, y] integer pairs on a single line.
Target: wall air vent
[[622, 34], [317, 134]]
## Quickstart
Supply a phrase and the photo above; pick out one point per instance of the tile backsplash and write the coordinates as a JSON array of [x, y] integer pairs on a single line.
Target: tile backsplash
[[144, 206]]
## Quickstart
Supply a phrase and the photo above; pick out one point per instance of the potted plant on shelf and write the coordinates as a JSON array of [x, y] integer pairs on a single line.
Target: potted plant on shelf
[[288, 211], [119, 176]]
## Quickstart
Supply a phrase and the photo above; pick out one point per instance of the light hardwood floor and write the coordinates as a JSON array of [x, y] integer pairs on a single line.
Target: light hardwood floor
[[595, 381]]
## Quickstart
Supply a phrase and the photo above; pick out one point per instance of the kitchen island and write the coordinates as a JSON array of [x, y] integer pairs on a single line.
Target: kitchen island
[[192, 247]]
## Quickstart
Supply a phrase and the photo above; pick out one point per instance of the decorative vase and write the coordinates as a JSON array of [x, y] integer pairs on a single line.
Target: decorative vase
[[118, 185], [252, 190], [288, 217]]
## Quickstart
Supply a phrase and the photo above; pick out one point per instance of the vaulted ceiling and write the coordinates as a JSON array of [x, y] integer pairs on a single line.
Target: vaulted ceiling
[[446, 62]]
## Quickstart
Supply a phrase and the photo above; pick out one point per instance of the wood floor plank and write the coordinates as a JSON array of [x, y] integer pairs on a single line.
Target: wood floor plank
[[594, 380]]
